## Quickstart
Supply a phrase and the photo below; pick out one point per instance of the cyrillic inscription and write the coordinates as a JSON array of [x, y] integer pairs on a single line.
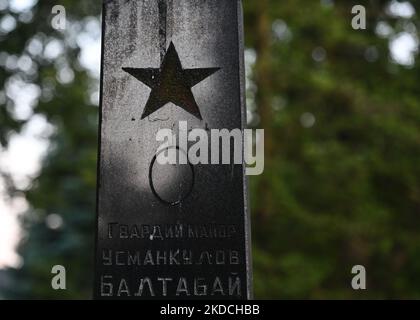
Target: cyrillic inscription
[[162, 286], [171, 257], [170, 231]]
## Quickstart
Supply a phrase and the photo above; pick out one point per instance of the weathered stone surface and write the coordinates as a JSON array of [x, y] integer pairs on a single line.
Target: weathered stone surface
[[182, 231]]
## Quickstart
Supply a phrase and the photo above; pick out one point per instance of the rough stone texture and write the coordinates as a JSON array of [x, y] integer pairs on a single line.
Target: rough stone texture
[[206, 34]]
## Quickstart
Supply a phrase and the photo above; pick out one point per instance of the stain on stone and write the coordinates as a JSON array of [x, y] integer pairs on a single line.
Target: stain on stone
[[163, 11], [132, 30]]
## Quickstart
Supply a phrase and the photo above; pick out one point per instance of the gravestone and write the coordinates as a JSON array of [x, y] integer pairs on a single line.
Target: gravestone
[[170, 231]]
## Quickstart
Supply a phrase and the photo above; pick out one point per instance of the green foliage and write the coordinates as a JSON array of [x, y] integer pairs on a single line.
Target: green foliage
[[340, 191], [66, 184], [344, 191]]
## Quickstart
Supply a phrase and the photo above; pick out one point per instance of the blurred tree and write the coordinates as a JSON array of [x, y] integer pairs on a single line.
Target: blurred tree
[[58, 228], [341, 185]]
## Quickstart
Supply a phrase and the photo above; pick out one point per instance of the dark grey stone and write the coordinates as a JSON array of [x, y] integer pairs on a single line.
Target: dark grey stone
[[170, 231]]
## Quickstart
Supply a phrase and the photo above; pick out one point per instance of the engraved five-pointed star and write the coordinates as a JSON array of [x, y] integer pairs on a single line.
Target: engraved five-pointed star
[[171, 83]]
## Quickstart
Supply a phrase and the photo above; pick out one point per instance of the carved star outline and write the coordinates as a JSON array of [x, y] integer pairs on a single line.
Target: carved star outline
[[171, 83]]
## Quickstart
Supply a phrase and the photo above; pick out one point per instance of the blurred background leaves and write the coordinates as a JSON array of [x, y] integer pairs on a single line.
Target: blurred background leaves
[[341, 111]]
